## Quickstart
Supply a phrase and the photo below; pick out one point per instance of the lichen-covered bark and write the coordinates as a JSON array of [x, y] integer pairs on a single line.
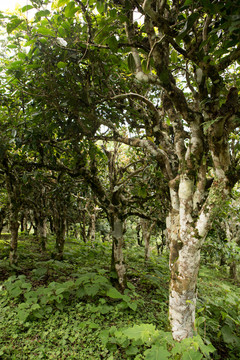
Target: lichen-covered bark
[[184, 264], [183, 294], [187, 231], [190, 219]]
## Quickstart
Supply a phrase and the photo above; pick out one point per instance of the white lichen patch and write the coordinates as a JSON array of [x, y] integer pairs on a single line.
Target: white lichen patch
[[140, 76], [185, 189], [202, 224], [174, 199]]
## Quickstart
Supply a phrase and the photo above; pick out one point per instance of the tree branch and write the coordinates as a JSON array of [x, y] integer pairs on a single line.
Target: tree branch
[[149, 10], [228, 60], [159, 154], [139, 97]]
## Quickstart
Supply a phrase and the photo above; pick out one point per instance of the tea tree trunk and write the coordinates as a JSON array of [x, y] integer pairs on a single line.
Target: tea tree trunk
[[14, 208], [118, 264], [92, 227], [14, 225], [42, 231], [2, 219], [60, 239], [187, 226], [60, 229], [147, 228]]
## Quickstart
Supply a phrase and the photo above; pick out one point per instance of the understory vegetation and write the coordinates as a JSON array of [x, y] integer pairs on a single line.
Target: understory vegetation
[[69, 309]]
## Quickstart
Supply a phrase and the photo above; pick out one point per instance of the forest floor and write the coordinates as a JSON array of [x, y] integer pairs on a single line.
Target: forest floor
[[68, 309]]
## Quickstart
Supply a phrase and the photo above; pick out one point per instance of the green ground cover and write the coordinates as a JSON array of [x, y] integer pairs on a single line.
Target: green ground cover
[[69, 309]]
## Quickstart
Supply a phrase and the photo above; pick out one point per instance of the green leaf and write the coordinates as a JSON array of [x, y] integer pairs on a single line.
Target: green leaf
[[62, 2], [130, 286], [132, 350], [100, 6], [93, 325], [16, 292], [70, 9], [143, 332], [23, 315], [69, 284], [60, 290], [12, 46], [132, 305], [22, 56], [126, 298], [174, 56], [157, 352], [104, 309], [188, 2], [144, 64], [112, 43], [104, 336], [80, 293], [207, 349], [26, 8], [91, 290], [13, 25], [113, 13], [61, 65], [72, 339], [16, 65], [200, 320], [114, 293], [192, 355], [228, 336], [62, 31], [188, 25], [42, 13], [45, 31], [35, 307], [131, 63]]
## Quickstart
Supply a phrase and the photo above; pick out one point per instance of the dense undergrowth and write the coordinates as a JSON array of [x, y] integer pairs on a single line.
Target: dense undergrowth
[[69, 309]]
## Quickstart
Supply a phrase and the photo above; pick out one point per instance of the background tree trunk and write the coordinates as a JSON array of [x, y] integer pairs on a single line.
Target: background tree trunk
[[42, 231], [60, 237], [92, 227], [117, 264], [147, 227], [14, 225], [59, 221]]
